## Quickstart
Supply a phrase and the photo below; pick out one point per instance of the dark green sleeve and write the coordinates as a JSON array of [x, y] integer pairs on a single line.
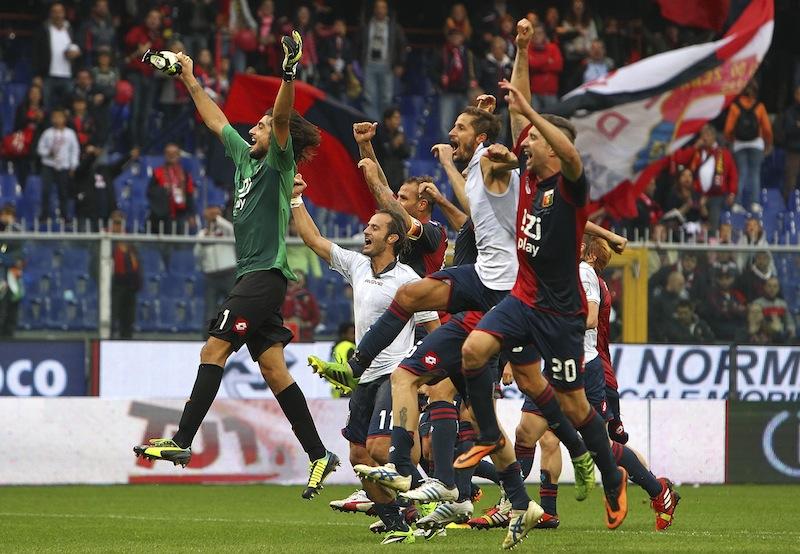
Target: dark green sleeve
[[236, 148], [280, 159]]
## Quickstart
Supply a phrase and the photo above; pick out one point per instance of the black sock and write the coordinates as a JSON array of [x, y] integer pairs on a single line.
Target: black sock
[[480, 384], [379, 336], [206, 386], [636, 471], [426, 465], [487, 470], [511, 481], [548, 493], [444, 434], [416, 477], [391, 516], [558, 422], [293, 404], [466, 439], [400, 451], [525, 456], [596, 439]]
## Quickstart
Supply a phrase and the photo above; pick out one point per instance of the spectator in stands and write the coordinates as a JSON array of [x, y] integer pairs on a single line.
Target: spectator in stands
[[59, 151], [95, 199], [545, 66], [576, 34], [174, 99], [615, 42], [508, 28], [725, 308], [303, 24], [715, 176], [54, 51], [686, 327], [693, 271], [12, 249], [300, 309], [30, 120], [268, 58], [749, 129], [97, 32], [217, 260], [757, 330], [490, 21], [171, 195], [391, 147], [196, 24], [383, 57], [755, 276], [495, 67], [138, 40], [753, 235], [83, 123], [648, 214], [663, 303], [104, 74], [597, 64], [683, 210], [126, 280], [455, 70], [780, 321], [336, 59], [300, 256], [790, 130], [551, 22], [458, 19], [12, 289], [242, 28]]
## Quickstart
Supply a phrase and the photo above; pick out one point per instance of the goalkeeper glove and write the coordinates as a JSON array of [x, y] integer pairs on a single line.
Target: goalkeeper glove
[[292, 52]]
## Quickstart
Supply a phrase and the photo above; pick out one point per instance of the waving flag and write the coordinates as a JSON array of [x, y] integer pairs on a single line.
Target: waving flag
[[333, 179], [630, 120]]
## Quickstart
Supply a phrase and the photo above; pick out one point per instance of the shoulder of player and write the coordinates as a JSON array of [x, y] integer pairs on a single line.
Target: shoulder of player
[[405, 272]]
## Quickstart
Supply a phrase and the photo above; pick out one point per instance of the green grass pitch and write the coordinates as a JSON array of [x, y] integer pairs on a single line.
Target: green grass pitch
[[257, 518]]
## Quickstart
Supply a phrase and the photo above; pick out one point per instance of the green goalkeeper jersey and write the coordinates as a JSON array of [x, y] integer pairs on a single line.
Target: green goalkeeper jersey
[[262, 189]]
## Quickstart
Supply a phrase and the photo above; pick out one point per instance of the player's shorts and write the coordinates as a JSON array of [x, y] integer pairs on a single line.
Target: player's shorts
[[251, 314], [559, 339], [530, 407], [370, 411], [467, 291], [595, 386]]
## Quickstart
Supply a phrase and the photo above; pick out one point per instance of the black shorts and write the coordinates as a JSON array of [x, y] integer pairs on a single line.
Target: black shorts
[[370, 411], [559, 339], [251, 314], [530, 407], [467, 291], [595, 386]]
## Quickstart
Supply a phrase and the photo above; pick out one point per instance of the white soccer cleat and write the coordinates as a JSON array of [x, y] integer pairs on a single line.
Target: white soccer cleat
[[432, 490], [386, 475], [356, 502], [447, 512], [520, 523]]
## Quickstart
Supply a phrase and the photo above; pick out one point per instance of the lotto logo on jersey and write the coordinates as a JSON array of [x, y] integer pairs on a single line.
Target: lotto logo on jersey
[[431, 360], [240, 326], [531, 231]]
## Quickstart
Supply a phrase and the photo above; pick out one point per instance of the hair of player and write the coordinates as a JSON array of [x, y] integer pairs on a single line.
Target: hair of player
[[418, 180], [397, 226], [305, 137], [601, 250], [484, 122], [563, 124]]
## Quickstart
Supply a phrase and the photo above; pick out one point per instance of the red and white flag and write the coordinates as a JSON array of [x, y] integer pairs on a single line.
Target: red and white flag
[[630, 120]]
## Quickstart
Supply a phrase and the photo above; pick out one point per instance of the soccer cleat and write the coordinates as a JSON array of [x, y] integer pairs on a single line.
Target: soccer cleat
[[547, 521], [406, 537], [664, 504], [426, 508], [356, 502], [584, 475], [496, 516], [338, 375], [446, 512], [617, 503], [478, 452], [378, 527], [164, 449], [318, 471], [432, 490], [476, 494], [520, 523], [385, 475], [429, 534]]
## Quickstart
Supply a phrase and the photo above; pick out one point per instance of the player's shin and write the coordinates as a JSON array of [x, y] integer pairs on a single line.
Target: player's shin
[[444, 433], [480, 384], [206, 386], [294, 406], [559, 424]]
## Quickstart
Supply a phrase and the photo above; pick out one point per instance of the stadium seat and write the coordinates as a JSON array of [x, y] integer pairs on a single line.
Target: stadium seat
[[182, 261]]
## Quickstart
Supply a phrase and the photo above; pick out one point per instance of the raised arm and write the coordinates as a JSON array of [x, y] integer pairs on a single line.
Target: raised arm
[[571, 164], [520, 76], [364, 132], [381, 192], [306, 227], [282, 110], [455, 217], [212, 115], [444, 153], [617, 242]]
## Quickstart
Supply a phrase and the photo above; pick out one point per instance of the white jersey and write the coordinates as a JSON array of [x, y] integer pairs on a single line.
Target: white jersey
[[591, 286], [372, 295], [495, 220]]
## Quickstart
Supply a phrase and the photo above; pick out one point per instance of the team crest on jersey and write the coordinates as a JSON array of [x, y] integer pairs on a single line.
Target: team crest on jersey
[[547, 199], [240, 326], [431, 360]]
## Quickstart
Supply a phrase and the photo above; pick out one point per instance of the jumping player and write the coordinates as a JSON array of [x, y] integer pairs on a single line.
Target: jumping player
[[546, 307], [251, 314]]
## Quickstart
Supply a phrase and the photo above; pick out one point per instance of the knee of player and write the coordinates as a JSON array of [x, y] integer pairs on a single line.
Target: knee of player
[[523, 436], [214, 353], [359, 455], [548, 442], [402, 378], [378, 449], [472, 356]]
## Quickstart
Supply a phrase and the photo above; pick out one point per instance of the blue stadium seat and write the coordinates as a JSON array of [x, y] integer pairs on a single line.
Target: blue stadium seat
[[182, 262], [151, 260], [147, 315]]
